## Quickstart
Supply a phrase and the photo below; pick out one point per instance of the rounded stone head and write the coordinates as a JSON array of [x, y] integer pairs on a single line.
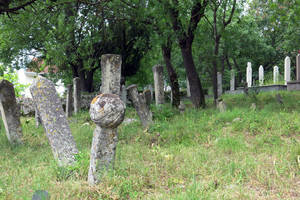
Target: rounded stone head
[[107, 110]]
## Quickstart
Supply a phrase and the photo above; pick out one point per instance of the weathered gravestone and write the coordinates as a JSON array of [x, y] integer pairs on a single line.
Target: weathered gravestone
[[10, 112], [124, 94], [107, 111], [249, 74], [232, 80], [139, 103], [158, 84], [287, 70], [275, 74], [76, 95], [54, 121], [261, 75], [220, 85], [298, 67], [188, 88], [148, 97], [69, 101]]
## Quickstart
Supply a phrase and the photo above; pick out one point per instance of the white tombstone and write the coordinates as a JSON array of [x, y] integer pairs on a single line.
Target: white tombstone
[[287, 69], [261, 75], [232, 80], [275, 75], [188, 89], [249, 74]]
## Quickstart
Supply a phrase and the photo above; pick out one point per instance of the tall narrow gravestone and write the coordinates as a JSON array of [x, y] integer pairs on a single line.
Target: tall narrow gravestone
[[261, 75], [188, 88], [10, 112], [54, 121], [287, 70], [158, 84], [140, 105], [249, 74], [76, 95], [111, 73], [69, 101], [298, 67], [107, 110], [275, 74], [232, 80], [219, 81]]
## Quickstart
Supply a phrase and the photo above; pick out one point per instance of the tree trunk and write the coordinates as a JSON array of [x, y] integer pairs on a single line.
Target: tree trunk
[[166, 49], [215, 67], [197, 94]]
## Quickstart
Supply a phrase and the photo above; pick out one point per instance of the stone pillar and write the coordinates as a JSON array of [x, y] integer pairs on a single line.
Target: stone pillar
[[261, 75], [249, 74], [107, 111], [148, 97], [10, 112], [69, 101], [275, 75], [188, 88], [287, 70], [124, 94], [111, 73], [76, 95], [54, 121], [298, 67], [139, 103], [232, 80], [220, 85], [158, 84]]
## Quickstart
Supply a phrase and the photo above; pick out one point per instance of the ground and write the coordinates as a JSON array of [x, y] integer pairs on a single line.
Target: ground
[[241, 153]]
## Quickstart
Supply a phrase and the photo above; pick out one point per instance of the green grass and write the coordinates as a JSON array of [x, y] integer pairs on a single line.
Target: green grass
[[200, 154]]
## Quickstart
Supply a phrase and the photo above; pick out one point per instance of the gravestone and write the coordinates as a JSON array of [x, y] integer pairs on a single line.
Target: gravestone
[[232, 80], [147, 94], [158, 84], [111, 73], [76, 95], [124, 94], [221, 105], [54, 121], [188, 89], [298, 67], [149, 87], [69, 101], [220, 86], [107, 111], [249, 74], [287, 70], [261, 75], [275, 75], [37, 117], [10, 112], [139, 103]]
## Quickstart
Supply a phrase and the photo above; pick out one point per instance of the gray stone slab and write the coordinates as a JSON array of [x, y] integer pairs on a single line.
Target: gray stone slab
[[158, 84]]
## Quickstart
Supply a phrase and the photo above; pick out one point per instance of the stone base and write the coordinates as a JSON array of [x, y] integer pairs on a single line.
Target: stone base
[[266, 88], [293, 85]]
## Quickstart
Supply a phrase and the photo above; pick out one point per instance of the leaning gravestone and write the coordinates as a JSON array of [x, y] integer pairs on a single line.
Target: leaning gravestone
[[275, 75], [287, 70], [158, 84], [54, 121], [249, 74], [140, 105], [261, 75], [76, 95], [69, 101], [10, 112], [107, 111]]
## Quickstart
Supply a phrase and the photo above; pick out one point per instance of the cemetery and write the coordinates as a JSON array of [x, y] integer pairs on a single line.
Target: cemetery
[[102, 121]]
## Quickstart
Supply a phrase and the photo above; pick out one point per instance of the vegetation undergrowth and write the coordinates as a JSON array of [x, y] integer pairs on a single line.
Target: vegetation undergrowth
[[242, 153]]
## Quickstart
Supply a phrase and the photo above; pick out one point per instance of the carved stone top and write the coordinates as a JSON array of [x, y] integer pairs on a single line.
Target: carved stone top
[[107, 110]]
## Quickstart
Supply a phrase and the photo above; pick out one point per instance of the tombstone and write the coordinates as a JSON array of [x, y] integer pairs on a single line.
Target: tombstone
[[221, 105], [261, 75], [54, 121], [107, 111], [124, 94], [10, 112], [220, 86], [149, 87], [37, 117], [253, 106], [158, 84], [298, 67], [140, 105], [69, 101], [275, 75], [181, 107], [249, 74], [188, 89], [76, 95], [232, 80], [287, 70], [111, 73], [147, 94]]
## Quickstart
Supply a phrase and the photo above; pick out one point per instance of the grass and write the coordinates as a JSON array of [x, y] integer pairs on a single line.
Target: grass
[[200, 154]]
